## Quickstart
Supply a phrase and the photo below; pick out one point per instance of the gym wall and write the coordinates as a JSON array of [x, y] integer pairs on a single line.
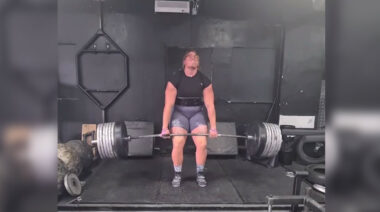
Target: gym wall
[[226, 33]]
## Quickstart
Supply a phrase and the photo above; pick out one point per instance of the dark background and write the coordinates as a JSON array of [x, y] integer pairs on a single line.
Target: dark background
[[239, 43]]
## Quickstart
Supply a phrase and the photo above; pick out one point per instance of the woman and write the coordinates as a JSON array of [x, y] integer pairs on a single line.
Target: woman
[[186, 94]]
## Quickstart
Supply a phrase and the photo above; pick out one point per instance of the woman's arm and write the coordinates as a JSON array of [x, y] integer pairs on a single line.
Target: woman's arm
[[208, 96], [170, 95]]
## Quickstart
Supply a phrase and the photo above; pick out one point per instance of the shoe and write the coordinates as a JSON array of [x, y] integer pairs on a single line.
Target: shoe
[[176, 182], [201, 179]]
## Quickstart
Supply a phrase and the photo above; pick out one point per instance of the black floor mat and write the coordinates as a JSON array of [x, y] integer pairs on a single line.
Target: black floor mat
[[254, 182], [149, 181], [218, 190], [124, 181]]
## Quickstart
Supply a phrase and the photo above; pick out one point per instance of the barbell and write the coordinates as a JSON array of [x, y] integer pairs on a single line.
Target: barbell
[[263, 140]]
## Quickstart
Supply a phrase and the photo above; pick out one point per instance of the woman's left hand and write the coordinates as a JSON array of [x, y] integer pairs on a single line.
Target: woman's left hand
[[213, 133]]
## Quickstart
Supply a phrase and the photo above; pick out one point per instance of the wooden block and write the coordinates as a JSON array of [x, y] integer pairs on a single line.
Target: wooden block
[[87, 130]]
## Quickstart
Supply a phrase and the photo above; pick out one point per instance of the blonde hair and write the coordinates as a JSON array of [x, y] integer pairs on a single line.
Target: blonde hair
[[188, 54]]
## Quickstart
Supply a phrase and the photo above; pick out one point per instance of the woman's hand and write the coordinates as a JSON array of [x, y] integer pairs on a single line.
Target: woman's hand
[[213, 133], [165, 133]]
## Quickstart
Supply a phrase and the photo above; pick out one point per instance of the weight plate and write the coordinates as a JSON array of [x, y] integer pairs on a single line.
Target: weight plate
[[110, 144], [109, 153], [268, 140], [113, 140], [277, 139], [279, 134], [120, 132], [100, 141], [72, 184], [267, 143], [262, 138], [252, 145], [274, 141], [106, 139]]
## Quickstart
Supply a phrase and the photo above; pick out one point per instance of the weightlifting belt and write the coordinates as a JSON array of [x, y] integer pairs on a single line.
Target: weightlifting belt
[[189, 101]]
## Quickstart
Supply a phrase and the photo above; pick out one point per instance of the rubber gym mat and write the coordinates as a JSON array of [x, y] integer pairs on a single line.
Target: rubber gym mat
[[219, 189], [254, 182], [124, 181], [148, 180]]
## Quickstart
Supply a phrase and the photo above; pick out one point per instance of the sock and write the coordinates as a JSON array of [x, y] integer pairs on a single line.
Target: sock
[[178, 168], [200, 168]]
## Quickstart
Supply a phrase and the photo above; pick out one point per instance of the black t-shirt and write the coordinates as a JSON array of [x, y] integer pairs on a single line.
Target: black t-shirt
[[189, 86]]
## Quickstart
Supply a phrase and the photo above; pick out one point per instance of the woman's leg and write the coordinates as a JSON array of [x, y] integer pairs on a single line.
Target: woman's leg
[[200, 144], [179, 125], [178, 144], [201, 153]]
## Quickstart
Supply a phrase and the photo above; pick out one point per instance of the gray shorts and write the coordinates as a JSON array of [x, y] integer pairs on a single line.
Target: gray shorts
[[188, 117]]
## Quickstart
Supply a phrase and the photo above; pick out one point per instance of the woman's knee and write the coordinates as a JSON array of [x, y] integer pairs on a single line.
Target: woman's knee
[[178, 146], [201, 145]]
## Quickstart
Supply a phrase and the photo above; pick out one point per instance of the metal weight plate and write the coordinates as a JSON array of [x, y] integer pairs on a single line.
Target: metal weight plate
[[278, 140], [72, 184], [255, 146], [121, 145], [109, 144], [100, 140], [111, 137], [262, 135], [106, 140], [252, 145], [116, 137], [268, 142], [279, 137], [274, 142], [113, 140]]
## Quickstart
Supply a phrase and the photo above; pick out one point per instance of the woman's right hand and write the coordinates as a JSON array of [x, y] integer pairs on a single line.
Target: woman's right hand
[[165, 133]]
